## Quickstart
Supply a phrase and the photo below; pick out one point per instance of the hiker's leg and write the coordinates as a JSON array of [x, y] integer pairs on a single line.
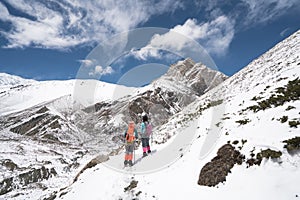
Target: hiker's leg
[[148, 146], [144, 142], [126, 159], [126, 152], [144, 145], [127, 148], [126, 155], [130, 155]]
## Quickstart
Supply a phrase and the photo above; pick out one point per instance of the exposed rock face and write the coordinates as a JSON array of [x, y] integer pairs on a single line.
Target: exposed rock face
[[191, 77], [216, 171], [9, 164], [24, 179], [292, 145], [267, 153], [40, 124]]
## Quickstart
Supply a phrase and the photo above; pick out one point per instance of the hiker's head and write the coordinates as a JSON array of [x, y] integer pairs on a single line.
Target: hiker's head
[[145, 118], [131, 124]]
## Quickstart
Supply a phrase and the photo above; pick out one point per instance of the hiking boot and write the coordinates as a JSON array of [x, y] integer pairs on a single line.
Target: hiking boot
[[130, 163], [145, 154], [149, 151], [125, 162]]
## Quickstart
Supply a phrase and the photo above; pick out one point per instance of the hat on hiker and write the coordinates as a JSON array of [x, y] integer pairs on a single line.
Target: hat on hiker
[[145, 118]]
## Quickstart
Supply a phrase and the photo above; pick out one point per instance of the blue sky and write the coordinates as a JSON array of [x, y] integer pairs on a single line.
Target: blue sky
[[48, 40]]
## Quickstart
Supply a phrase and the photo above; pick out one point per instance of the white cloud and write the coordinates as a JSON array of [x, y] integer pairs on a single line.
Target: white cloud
[[4, 12], [263, 11], [86, 62], [99, 71], [248, 13], [146, 52], [63, 24], [215, 36]]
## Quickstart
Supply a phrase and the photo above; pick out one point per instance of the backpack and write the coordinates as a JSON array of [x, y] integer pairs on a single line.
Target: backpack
[[148, 129], [130, 134]]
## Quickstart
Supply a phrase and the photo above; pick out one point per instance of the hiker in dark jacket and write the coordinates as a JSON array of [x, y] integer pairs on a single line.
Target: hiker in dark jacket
[[130, 137], [146, 131]]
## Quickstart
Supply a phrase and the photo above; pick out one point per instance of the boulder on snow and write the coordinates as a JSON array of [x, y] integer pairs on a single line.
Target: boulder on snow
[[9, 164], [216, 171], [292, 145], [132, 185]]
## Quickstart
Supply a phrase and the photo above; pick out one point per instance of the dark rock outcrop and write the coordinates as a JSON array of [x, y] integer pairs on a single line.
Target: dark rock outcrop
[[216, 171], [26, 128], [292, 145], [267, 153], [9, 164], [132, 185], [24, 179]]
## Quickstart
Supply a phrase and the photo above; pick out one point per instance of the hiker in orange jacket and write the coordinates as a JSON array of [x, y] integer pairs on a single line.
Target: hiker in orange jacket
[[130, 137]]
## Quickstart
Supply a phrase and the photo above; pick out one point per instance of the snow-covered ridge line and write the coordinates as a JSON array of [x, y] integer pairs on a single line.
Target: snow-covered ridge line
[[26, 94], [12, 80]]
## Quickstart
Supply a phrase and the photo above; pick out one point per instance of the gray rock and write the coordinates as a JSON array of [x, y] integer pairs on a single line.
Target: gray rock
[[220, 166], [26, 178]]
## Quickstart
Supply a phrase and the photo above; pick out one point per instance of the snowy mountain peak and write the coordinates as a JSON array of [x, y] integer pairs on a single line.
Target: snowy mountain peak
[[181, 67], [190, 77], [185, 64], [11, 80]]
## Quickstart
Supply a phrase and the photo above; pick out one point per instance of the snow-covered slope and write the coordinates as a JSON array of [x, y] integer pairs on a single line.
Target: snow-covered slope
[[255, 110], [11, 80], [26, 93]]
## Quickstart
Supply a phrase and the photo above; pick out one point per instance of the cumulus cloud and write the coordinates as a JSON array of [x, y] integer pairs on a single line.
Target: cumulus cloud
[[67, 23], [86, 62], [215, 36], [99, 71]]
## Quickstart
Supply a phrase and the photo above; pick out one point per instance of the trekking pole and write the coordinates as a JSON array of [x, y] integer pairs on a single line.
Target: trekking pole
[[134, 152]]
